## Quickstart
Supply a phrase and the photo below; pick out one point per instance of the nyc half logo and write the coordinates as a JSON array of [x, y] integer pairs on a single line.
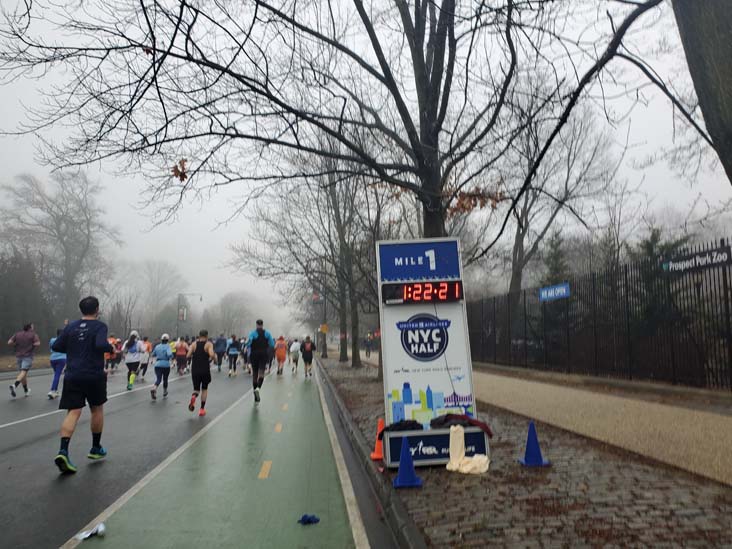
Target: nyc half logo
[[424, 336]]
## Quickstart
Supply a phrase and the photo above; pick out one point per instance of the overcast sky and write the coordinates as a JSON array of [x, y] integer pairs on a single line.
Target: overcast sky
[[196, 243]]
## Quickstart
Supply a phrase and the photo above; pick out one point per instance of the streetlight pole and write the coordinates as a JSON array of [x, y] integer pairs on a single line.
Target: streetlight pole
[[177, 312]]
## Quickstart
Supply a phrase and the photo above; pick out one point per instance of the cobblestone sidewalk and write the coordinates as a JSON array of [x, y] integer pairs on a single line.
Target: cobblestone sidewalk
[[594, 495]]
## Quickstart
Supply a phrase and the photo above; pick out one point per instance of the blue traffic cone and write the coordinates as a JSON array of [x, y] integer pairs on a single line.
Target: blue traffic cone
[[406, 477], [533, 457]]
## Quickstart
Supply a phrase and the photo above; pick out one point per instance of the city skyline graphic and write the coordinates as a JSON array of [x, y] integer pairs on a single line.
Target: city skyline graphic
[[423, 405]]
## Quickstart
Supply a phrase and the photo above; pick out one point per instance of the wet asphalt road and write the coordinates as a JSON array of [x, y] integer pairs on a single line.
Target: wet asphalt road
[[40, 508]]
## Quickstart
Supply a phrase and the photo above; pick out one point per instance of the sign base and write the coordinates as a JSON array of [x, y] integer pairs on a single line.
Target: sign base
[[431, 447]]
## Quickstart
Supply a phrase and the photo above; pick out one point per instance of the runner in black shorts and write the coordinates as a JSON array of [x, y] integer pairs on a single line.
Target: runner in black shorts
[[202, 353], [306, 350], [259, 343], [84, 342]]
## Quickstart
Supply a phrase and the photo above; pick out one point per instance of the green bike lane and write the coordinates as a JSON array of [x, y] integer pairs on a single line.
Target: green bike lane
[[244, 482]]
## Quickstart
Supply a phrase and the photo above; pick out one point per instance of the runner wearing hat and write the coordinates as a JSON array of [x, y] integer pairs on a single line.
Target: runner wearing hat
[[162, 354], [132, 350]]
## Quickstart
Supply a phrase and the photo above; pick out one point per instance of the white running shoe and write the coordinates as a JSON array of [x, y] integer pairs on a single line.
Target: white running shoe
[[51, 396], [27, 393]]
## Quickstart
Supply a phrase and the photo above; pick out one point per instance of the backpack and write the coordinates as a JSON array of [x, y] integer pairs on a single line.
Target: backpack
[[308, 347], [260, 343]]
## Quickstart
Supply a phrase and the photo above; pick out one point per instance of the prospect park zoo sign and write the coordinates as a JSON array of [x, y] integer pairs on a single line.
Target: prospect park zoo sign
[[717, 257]]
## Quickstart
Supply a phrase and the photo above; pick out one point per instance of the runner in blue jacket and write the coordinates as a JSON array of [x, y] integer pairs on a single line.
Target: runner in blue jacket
[[258, 345]]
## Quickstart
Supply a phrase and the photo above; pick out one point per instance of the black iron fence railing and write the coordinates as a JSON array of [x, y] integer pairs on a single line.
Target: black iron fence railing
[[655, 320]]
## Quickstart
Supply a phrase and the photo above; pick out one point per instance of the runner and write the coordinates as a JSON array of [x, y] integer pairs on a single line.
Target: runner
[[132, 350], [245, 356], [201, 354], [280, 350], [163, 354], [181, 353], [270, 358], [233, 353], [84, 342], [145, 357], [259, 343], [117, 354], [189, 341], [110, 357], [369, 343], [307, 348], [295, 355], [58, 362], [220, 349], [25, 343]]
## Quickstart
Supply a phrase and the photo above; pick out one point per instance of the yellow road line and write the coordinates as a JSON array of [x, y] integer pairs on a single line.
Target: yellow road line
[[264, 471], [278, 428], [284, 407]]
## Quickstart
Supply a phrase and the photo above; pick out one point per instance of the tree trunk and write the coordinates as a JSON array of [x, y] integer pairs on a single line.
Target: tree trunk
[[355, 330], [517, 273], [433, 210], [70, 299], [705, 27], [342, 320], [434, 222]]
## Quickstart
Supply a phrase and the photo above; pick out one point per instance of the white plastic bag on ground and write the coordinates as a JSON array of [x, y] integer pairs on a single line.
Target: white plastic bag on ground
[[457, 447], [475, 465]]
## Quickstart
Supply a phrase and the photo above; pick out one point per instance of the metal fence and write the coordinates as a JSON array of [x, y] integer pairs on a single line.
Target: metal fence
[[635, 321]]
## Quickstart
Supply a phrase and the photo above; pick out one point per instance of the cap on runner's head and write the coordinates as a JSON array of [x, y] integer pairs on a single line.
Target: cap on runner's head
[[134, 333], [260, 322], [165, 337]]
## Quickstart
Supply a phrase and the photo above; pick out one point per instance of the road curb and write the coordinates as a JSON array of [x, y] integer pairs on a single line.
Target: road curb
[[405, 531]]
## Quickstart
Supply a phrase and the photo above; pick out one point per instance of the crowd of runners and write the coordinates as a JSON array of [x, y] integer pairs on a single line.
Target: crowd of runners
[[86, 355]]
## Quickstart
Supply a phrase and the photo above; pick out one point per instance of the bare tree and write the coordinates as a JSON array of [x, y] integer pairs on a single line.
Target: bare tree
[[160, 281], [64, 224], [229, 315], [297, 243], [578, 171], [220, 90]]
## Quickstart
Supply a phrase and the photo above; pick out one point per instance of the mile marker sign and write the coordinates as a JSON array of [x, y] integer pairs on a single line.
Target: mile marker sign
[[424, 337]]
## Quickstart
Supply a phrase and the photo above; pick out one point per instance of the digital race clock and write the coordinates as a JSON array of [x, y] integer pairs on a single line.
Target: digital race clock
[[422, 292]]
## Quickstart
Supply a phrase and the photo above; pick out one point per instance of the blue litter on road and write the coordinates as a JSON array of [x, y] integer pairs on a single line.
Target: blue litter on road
[[308, 519]]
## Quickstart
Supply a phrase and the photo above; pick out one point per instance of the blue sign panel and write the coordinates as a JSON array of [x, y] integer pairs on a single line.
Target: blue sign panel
[[550, 293], [423, 260], [432, 447]]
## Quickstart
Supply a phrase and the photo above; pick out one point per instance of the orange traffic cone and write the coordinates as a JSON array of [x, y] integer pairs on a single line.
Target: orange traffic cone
[[378, 452]]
